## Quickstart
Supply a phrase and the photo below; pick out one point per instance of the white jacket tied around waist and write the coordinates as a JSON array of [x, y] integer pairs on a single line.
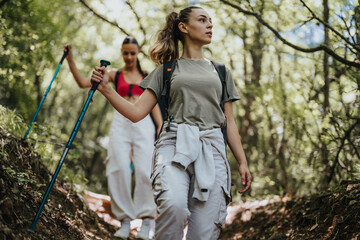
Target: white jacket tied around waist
[[195, 146]]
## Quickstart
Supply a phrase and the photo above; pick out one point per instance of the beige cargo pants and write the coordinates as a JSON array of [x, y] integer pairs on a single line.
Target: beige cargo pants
[[173, 187]]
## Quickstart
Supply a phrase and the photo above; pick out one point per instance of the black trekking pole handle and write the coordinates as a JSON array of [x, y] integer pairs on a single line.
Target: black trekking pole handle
[[103, 63], [66, 52]]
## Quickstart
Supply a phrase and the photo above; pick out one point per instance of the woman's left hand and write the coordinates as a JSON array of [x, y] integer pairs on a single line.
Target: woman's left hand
[[245, 178]]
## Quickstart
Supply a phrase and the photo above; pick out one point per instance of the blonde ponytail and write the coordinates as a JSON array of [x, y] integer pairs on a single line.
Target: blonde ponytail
[[166, 48]]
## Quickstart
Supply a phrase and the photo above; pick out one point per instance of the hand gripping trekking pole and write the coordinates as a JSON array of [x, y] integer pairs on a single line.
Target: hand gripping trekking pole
[[46, 92], [68, 145]]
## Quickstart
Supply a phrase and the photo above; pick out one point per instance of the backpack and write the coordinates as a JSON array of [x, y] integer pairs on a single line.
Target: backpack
[[164, 102]]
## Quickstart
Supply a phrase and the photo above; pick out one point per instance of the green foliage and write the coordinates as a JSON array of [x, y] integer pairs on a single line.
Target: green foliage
[[11, 121], [48, 145], [21, 177]]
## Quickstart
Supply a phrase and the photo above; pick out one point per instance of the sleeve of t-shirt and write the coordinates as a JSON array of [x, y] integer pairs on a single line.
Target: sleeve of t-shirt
[[231, 93], [154, 81]]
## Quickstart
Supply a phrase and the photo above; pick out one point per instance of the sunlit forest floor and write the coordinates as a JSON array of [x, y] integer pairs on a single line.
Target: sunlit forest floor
[[334, 214]]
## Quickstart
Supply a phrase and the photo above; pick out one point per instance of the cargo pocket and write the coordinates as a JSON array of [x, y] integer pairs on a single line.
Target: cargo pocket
[[220, 222], [159, 185]]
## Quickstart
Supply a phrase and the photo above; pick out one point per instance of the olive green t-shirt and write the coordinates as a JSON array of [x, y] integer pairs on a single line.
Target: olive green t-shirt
[[195, 92]]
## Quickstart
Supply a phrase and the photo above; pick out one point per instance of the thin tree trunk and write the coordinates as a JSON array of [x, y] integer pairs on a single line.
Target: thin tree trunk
[[39, 95], [357, 28], [247, 118], [326, 104], [326, 59], [280, 151], [95, 158], [52, 102], [256, 52]]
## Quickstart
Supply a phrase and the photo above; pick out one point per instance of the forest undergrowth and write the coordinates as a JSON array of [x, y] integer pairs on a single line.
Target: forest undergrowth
[[23, 181]]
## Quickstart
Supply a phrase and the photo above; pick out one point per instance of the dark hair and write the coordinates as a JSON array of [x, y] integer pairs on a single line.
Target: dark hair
[[166, 48], [132, 40]]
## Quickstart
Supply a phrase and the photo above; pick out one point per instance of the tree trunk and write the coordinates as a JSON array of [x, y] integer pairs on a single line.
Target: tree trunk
[[326, 59], [326, 104], [95, 161], [256, 52], [52, 102], [39, 94], [247, 118], [357, 28]]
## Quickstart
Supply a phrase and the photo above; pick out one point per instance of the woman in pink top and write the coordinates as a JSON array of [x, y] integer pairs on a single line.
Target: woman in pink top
[[128, 138]]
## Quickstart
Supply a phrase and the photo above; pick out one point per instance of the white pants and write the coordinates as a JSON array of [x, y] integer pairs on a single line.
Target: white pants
[[124, 137], [173, 187]]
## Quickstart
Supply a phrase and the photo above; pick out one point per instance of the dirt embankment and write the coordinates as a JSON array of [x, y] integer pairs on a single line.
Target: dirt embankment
[[327, 216], [23, 182]]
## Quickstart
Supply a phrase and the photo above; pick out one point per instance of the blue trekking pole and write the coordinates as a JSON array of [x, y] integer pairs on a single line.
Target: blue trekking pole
[[46, 92], [68, 145]]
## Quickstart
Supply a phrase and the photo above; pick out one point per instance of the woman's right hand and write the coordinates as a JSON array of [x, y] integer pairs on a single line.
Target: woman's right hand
[[100, 75], [69, 56]]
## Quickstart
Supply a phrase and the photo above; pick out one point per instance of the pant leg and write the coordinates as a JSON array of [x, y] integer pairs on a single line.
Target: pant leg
[[171, 188], [143, 147], [118, 167], [208, 218]]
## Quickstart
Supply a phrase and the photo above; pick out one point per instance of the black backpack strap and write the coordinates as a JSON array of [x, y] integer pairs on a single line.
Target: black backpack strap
[[221, 70], [168, 69], [116, 82]]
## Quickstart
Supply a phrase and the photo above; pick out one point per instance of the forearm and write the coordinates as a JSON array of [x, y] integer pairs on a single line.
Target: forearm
[[234, 142], [133, 111], [233, 137], [79, 78]]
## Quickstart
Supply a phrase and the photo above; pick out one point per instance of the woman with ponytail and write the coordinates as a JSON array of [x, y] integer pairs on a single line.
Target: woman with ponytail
[[191, 173], [128, 143]]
